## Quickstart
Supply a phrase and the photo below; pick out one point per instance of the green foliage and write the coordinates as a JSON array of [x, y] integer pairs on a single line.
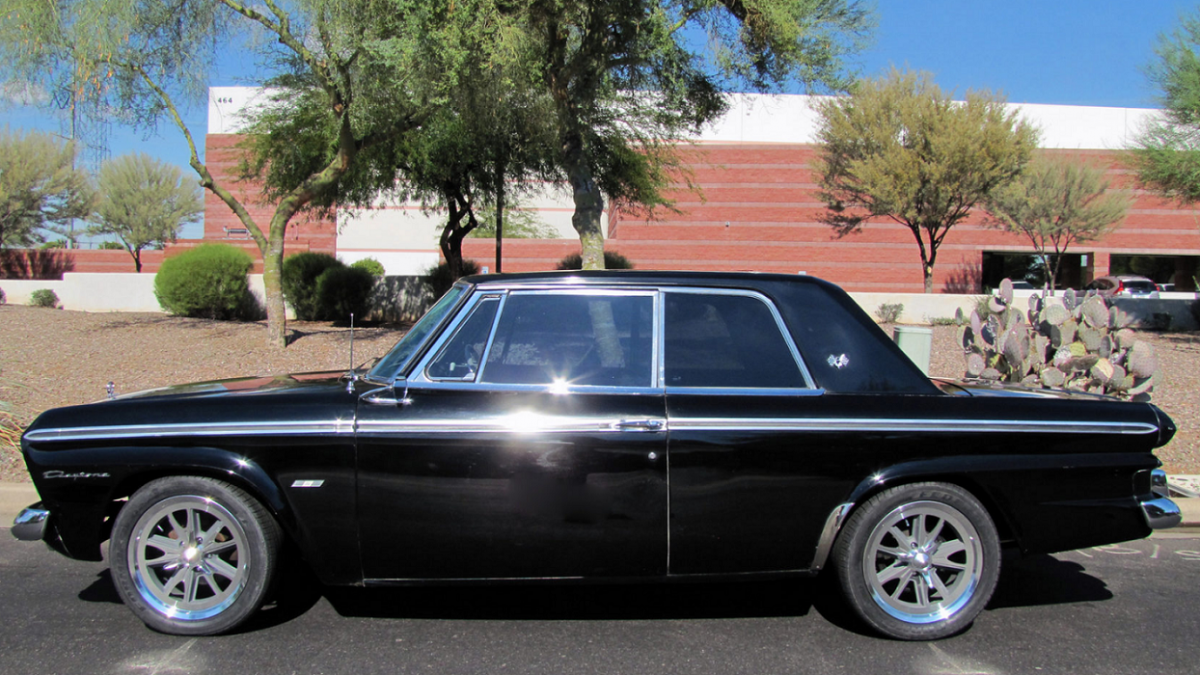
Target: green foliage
[[1056, 202], [110, 246], [341, 291], [39, 187], [370, 265], [1166, 154], [518, 224], [900, 148], [889, 312], [300, 273], [1080, 344], [43, 297], [439, 279], [208, 281], [612, 261], [144, 202], [3, 297]]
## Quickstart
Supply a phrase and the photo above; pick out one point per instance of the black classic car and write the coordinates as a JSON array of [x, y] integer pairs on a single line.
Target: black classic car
[[593, 427]]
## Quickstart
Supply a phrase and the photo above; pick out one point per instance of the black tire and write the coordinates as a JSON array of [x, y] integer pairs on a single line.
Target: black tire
[[919, 561], [192, 555]]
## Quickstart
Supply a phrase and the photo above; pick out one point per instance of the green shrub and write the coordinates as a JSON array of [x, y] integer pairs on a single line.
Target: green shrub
[[3, 298], [370, 265], [43, 297], [438, 278], [208, 281], [889, 312], [110, 246], [342, 291], [612, 261], [300, 274]]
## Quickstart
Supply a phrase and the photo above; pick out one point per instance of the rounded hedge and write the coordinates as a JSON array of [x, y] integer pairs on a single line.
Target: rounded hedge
[[300, 274], [341, 291], [612, 261], [438, 278], [208, 282], [370, 265], [43, 297]]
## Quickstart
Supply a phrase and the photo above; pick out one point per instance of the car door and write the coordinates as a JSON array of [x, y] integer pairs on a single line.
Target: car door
[[749, 492], [530, 443]]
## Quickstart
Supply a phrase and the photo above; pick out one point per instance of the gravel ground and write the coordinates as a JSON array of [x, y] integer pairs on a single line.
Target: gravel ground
[[50, 358]]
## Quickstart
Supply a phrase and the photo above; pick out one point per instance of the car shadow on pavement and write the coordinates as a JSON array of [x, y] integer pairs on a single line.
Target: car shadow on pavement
[[1045, 580], [579, 602]]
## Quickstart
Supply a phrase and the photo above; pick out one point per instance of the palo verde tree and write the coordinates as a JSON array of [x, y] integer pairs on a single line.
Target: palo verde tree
[[629, 82], [39, 187], [143, 203], [1056, 202], [899, 148], [370, 67], [1166, 153]]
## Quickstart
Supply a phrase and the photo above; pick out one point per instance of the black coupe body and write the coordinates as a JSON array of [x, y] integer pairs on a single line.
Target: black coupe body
[[599, 426]]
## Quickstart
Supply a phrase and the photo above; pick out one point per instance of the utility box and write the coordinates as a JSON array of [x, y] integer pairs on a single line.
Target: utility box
[[916, 343]]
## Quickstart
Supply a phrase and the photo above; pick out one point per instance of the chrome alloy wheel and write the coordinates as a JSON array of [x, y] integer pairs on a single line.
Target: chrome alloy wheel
[[923, 562], [190, 558]]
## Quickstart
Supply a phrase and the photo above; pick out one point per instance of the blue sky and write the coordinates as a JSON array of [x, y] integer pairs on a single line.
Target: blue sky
[[1076, 52]]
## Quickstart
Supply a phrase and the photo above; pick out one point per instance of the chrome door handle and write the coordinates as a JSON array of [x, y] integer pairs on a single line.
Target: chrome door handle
[[638, 425]]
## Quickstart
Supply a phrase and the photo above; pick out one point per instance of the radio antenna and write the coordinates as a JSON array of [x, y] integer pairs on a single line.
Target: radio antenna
[[350, 382]]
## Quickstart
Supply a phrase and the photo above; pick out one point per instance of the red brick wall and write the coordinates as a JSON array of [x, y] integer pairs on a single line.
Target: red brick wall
[[760, 211], [304, 233]]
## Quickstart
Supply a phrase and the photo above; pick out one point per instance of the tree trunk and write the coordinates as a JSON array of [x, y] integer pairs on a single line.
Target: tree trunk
[[927, 268], [589, 206], [273, 289], [499, 217]]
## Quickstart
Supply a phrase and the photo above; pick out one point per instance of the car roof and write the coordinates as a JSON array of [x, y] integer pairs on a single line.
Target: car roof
[[641, 278]]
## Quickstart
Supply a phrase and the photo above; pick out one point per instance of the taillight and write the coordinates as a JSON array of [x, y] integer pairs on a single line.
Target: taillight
[[1120, 287]]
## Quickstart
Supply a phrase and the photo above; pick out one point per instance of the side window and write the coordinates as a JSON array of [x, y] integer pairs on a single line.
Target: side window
[[460, 358], [552, 338], [726, 341]]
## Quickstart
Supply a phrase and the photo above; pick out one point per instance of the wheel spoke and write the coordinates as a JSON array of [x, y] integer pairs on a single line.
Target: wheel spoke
[[901, 538], [222, 568], [175, 580], [941, 557], [894, 552], [191, 583], [939, 585], [937, 530], [211, 534], [906, 578], [921, 588], [164, 544], [212, 549], [891, 573]]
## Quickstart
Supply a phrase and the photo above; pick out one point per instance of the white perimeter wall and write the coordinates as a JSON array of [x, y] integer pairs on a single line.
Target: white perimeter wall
[[135, 293]]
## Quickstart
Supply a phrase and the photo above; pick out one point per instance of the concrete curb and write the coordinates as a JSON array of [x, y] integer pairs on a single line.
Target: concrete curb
[[16, 496]]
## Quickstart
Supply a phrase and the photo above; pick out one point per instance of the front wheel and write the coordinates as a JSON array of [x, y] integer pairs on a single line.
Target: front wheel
[[919, 562], [192, 555]]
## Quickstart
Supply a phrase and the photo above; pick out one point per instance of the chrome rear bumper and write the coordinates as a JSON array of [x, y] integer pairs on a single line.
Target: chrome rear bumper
[[30, 524], [1160, 512]]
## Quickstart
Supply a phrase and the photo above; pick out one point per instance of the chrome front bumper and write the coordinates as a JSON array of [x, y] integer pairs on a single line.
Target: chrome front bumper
[[1160, 512], [30, 524]]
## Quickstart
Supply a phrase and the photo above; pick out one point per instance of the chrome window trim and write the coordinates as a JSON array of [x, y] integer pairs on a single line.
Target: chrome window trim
[[414, 360], [742, 391], [452, 330], [779, 324], [422, 379]]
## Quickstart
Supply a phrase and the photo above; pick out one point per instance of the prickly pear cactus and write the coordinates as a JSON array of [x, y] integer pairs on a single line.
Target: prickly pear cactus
[[1079, 344]]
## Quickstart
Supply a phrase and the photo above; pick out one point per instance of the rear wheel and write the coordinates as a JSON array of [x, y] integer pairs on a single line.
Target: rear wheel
[[192, 555], [919, 562]]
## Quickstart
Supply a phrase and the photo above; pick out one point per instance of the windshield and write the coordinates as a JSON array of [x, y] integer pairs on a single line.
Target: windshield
[[390, 366]]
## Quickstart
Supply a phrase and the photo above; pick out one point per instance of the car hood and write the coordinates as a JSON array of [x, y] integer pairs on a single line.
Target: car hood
[[243, 386], [307, 400]]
